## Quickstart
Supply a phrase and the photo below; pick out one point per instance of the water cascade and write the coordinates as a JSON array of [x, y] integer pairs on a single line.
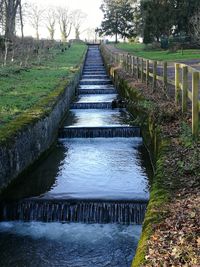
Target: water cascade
[[101, 131], [92, 177], [123, 212]]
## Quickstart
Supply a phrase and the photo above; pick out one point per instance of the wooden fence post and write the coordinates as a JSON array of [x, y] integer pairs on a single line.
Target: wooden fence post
[[129, 65], [147, 72], [126, 62], [116, 58], [184, 88], [138, 68], [130, 61], [195, 103], [165, 75], [132, 65], [177, 83], [135, 67], [127, 57], [154, 74], [142, 70], [121, 60]]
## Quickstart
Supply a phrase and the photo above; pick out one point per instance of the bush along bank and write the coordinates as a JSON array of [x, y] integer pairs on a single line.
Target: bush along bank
[[24, 139], [171, 229]]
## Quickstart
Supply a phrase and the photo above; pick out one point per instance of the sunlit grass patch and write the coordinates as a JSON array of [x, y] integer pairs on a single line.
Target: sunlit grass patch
[[22, 88], [144, 51]]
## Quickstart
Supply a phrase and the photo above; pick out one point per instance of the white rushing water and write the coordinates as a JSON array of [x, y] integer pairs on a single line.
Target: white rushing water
[[68, 245], [97, 98]]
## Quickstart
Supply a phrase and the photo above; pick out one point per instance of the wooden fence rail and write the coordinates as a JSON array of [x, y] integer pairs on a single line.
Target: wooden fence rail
[[185, 81]]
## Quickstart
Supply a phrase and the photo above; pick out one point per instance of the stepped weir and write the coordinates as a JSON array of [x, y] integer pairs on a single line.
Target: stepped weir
[[84, 211], [93, 176]]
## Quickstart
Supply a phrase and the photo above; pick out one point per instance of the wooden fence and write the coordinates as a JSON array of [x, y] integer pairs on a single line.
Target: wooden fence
[[184, 79]]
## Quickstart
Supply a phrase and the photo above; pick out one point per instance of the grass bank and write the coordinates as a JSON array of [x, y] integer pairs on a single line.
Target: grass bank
[[22, 88], [142, 50], [33, 90]]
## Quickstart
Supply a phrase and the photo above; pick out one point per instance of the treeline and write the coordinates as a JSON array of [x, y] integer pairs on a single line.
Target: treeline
[[15, 49], [151, 19], [10, 11], [168, 17], [15, 13]]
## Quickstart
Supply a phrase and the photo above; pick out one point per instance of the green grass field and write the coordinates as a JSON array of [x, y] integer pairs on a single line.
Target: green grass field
[[144, 51], [21, 89]]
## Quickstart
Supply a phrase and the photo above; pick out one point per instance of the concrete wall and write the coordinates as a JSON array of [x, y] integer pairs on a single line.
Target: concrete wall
[[29, 144]]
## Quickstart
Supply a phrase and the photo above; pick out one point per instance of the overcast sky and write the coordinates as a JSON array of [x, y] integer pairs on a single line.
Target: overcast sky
[[90, 7]]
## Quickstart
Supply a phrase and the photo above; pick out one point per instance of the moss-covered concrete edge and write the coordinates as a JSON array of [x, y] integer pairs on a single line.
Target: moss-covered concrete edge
[[143, 112], [42, 109], [24, 140]]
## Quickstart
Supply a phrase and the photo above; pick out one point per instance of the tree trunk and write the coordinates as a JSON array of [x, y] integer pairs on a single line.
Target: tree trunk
[[77, 33], [52, 32], [21, 20], [116, 39], [11, 7], [10, 27], [6, 51], [37, 33]]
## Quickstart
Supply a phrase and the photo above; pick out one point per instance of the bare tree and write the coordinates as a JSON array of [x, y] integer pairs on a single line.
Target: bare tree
[[21, 17], [78, 17], [6, 43], [36, 18], [91, 34], [195, 26], [51, 22], [10, 8], [21, 20], [64, 17], [2, 16], [8, 14]]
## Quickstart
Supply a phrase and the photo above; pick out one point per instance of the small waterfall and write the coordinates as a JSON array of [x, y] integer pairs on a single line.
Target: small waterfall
[[95, 82], [124, 212], [93, 65], [94, 72], [91, 71], [114, 194], [100, 77], [95, 105], [97, 91], [94, 132]]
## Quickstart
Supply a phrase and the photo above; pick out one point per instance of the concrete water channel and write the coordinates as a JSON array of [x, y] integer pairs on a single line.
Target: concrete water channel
[[83, 205]]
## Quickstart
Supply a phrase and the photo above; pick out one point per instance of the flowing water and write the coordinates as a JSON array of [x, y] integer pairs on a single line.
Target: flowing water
[[67, 245], [83, 205]]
